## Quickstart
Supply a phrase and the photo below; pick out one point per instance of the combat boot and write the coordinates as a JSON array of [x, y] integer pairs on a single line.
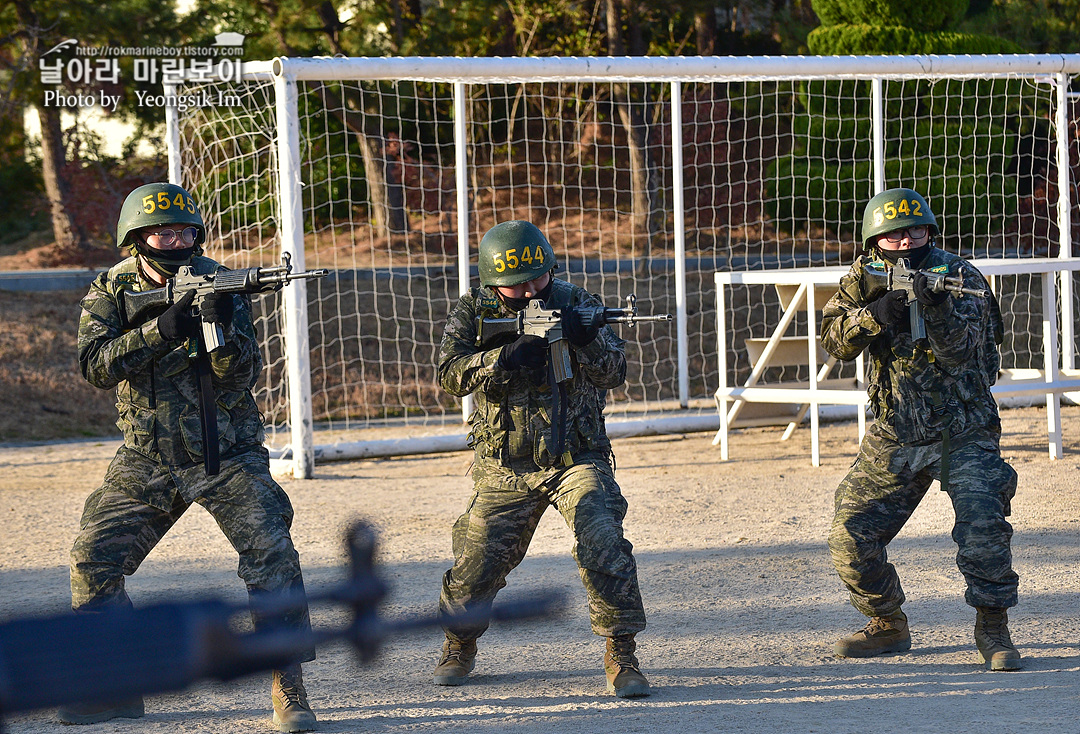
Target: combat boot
[[291, 709], [624, 677], [996, 649], [95, 713], [457, 661], [880, 635]]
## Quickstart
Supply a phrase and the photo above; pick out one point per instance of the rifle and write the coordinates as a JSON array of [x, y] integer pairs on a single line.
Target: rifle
[[547, 323], [139, 306], [901, 277], [122, 653]]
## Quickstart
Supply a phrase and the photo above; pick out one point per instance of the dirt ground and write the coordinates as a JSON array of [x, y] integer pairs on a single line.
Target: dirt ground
[[742, 601]]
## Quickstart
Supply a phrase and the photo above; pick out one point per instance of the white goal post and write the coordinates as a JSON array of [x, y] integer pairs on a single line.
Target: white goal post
[[649, 175]]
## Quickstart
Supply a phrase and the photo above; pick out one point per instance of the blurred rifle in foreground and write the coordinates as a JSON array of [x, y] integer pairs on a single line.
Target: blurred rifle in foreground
[[547, 323], [881, 280], [122, 653]]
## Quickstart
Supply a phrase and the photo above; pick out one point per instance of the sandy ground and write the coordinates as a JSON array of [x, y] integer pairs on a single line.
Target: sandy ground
[[742, 601]]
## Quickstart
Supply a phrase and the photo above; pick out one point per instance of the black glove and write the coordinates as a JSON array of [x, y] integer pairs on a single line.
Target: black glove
[[923, 294], [890, 308], [576, 330], [217, 308], [528, 351], [177, 321]]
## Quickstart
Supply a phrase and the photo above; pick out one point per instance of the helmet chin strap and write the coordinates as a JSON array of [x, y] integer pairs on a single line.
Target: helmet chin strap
[[914, 255], [516, 304], [163, 262], [155, 267]]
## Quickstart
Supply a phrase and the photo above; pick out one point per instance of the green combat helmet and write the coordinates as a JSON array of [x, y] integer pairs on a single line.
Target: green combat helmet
[[895, 209], [514, 252], [159, 204]]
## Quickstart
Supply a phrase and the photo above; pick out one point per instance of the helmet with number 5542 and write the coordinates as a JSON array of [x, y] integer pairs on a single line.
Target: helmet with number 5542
[[895, 209], [514, 252]]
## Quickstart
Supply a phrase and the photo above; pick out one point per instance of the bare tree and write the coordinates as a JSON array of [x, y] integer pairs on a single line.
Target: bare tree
[[70, 237], [381, 156], [644, 178], [382, 163], [406, 14], [705, 31]]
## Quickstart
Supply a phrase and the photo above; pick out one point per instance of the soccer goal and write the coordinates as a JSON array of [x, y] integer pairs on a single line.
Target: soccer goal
[[648, 175]]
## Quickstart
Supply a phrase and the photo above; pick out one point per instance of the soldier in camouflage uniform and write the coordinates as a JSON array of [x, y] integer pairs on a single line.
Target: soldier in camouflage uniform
[[158, 472], [516, 475], [934, 418]]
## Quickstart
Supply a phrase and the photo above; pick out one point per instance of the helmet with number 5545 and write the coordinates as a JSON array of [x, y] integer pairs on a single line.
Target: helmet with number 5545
[[514, 252], [158, 204], [895, 209]]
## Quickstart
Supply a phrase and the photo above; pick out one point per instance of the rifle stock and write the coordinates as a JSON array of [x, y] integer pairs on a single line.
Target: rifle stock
[[139, 306]]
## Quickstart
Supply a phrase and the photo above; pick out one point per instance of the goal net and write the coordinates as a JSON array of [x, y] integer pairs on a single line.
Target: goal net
[[646, 175]]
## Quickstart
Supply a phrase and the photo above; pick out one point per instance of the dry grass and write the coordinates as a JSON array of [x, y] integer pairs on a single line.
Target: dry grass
[[41, 389], [39, 252]]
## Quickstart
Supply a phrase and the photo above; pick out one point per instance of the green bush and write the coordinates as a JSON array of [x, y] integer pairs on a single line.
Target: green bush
[[956, 140], [806, 193], [979, 200], [863, 39], [929, 15], [835, 98], [949, 139], [834, 139]]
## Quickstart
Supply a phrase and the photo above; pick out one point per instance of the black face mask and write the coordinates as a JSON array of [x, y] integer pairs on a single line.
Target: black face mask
[[914, 255], [164, 262], [516, 304]]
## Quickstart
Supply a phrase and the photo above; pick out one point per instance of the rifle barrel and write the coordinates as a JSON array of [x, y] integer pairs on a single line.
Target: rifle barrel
[[956, 285], [319, 273], [631, 319]]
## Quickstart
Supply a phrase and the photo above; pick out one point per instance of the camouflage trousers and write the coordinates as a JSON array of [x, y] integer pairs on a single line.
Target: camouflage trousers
[[882, 490], [492, 536], [118, 530]]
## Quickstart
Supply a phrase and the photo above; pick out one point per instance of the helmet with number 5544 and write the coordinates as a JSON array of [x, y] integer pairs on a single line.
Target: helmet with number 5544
[[895, 209], [158, 204], [514, 252]]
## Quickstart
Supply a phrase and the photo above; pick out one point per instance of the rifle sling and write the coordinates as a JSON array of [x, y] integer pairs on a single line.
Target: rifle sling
[[558, 415], [939, 410], [207, 412], [943, 476]]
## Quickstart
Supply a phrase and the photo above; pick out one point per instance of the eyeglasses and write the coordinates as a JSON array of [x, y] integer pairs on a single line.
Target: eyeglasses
[[168, 237], [916, 233]]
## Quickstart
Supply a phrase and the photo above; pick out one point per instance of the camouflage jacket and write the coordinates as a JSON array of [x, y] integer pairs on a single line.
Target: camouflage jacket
[[511, 423], [917, 388], [156, 385]]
